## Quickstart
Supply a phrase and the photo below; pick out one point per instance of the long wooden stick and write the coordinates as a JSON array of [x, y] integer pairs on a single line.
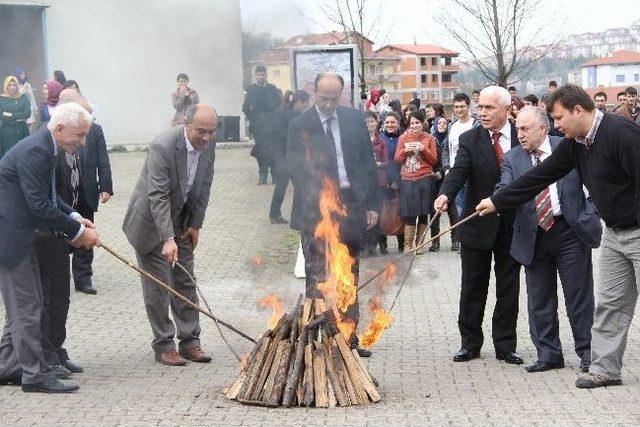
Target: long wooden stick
[[420, 246], [175, 293]]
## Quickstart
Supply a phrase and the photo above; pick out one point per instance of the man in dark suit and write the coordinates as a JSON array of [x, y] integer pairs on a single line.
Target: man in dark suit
[[28, 200], [480, 154], [97, 186], [259, 107], [163, 223], [552, 235], [330, 145]]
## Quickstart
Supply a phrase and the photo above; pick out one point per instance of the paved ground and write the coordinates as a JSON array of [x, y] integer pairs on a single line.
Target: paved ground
[[122, 385]]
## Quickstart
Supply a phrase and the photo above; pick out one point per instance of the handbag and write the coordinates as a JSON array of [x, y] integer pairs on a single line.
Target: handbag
[[391, 223]]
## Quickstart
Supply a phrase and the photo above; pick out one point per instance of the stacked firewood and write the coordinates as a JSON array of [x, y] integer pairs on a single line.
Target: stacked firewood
[[304, 361]]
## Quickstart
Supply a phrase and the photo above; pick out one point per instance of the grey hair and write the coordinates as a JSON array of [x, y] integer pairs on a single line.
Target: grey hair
[[69, 114], [540, 115], [504, 97]]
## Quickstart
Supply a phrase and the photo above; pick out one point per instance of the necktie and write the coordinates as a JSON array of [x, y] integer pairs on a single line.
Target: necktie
[[74, 178], [332, 157], [497, 150], [544, 211]]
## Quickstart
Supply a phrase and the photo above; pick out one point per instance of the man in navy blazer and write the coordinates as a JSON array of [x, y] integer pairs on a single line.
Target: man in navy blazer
[[553, 234], [28, 201]]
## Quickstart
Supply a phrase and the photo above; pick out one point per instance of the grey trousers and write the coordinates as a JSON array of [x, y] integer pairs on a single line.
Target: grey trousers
[[616, 297], [157, 300], [21, 344]]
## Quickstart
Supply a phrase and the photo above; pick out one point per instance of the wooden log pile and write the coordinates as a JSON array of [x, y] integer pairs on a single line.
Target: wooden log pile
[[304, 361]]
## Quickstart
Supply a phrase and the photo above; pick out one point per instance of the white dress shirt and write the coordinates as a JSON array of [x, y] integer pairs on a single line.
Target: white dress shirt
[[545, 149], [505, 137], [335, 130], [193, 156]]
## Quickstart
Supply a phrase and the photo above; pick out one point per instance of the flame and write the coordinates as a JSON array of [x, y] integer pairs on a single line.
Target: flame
[[381, 321], [256, 260], [272, 301], [389, 271], [339, 289]]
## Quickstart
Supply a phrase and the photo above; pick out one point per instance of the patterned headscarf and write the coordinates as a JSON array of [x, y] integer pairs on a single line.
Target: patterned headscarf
[[53, 88], [5, 87]]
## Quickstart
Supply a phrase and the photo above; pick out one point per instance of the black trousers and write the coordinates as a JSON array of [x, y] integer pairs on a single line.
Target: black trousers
[[82, 260], [53, 261], [560, 251], [262, 152], [476, 269], [280, 173]]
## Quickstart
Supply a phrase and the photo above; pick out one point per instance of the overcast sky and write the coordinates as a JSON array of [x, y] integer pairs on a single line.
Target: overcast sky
[[414, 18]]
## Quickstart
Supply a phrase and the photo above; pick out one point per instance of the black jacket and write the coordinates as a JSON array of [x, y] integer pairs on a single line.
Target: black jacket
[[476, 163], [309, 160], [96, 169]]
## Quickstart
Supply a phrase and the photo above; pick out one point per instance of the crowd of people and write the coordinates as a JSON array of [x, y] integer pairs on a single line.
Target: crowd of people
[[395, 168]]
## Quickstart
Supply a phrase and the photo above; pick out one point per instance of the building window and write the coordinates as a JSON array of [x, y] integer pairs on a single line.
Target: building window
[[447, 60], [434, 61], [423, 61], [372, 69], [380, 68], [619, 78], [636, 77], [423, 78], [434, 78], [446, 78]]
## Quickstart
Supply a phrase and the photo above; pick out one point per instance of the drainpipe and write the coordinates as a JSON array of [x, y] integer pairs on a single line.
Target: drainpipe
[[45, 49]]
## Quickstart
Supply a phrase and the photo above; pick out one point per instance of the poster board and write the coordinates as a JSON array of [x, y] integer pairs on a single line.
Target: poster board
[[308, 61]]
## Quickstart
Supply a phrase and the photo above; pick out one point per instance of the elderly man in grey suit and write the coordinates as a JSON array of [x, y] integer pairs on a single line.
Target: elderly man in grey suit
[[162, 223], [553, 234]]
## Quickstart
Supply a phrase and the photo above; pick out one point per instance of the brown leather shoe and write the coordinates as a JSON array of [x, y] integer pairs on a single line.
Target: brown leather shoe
[[195, 354], [170, 358]]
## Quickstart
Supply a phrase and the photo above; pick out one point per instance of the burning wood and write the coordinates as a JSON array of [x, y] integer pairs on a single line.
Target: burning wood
[[304, 360]]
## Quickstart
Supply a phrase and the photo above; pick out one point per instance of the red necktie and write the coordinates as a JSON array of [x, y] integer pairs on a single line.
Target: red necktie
[[497, 150], [544, 210]]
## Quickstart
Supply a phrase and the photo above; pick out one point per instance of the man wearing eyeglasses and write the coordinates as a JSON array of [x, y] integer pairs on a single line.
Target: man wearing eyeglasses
[[163, 222]]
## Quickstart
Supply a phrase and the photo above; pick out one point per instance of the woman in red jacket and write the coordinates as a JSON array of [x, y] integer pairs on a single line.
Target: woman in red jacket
[[416, 153]]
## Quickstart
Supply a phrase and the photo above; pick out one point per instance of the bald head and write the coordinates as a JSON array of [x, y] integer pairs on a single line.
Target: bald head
[[71, 95], [202, 124]]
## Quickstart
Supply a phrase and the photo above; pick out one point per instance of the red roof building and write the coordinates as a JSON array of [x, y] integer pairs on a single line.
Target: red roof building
[[621, 68]]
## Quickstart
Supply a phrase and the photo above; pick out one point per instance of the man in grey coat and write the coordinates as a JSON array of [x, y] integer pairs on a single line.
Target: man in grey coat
[[553, 235], [162, 223]]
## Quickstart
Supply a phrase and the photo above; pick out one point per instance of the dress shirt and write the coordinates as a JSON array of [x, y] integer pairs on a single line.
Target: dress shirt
[[545, 149], [588, 140], [335, 130], [72, 215], [193, 156], [505, 137]]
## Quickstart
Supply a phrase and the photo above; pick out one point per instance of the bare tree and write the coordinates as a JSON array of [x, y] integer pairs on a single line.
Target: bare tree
[[360, 22], [503, 39]]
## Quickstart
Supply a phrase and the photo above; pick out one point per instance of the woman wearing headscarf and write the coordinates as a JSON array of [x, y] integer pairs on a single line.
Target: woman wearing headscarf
[[25, 87], [51, 91], [441, 127], [374, 97], [14, 112]]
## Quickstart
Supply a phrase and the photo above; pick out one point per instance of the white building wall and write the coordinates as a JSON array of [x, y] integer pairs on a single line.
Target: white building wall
[[126, 55]]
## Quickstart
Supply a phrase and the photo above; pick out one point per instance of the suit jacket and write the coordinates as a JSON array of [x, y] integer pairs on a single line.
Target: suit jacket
[[94, 158], [157, 209], [25, 198], [310, 159], [476, 163], [577, 210]]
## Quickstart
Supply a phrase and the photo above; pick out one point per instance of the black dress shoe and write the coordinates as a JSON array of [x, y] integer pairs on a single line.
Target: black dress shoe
[[60, 372], [72, 367], [278, 220], [87, 289], [363, 352], [464, 355], [51, 386], [585, 365], [11, 380], [541, 366], [512, 358]]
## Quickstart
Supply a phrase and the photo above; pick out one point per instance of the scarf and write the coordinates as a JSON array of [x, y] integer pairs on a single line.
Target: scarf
[[439, 136], [53, 88], [5, 88]]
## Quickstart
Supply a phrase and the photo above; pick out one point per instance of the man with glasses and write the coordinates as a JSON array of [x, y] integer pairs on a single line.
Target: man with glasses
[[330, 142], [163, 222]]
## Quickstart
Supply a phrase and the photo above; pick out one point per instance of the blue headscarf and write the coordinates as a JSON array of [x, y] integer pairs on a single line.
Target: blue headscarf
[[17, 72]]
